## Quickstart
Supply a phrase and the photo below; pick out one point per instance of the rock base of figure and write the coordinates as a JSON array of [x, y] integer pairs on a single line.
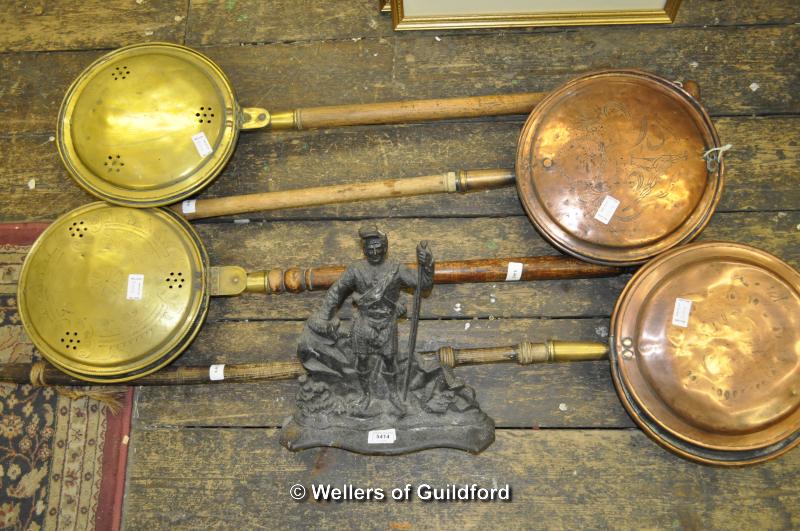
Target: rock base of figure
[[400, 437]]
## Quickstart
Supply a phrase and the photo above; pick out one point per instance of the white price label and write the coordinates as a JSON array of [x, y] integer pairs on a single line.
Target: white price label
[[135, 287], [201, 144], [189, 206], [216, 372], [382, 436], [514, 271], [680, 315], [606, 210]]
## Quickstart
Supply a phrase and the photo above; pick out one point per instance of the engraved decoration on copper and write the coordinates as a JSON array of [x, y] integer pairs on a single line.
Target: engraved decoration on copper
[[610, 167]]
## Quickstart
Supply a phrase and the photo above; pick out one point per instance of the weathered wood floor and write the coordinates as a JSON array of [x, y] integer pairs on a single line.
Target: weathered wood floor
[[208, 456]]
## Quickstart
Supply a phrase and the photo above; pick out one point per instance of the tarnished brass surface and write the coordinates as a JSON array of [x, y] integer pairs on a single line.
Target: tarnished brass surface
[[226, 281], [78, 294], [627, 135], [126, 125], [725, 387]]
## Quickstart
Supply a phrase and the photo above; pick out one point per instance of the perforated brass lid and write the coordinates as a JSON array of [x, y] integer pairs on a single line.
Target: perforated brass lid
[[610, 167], [148, 124], [706, 352], [108, 293]]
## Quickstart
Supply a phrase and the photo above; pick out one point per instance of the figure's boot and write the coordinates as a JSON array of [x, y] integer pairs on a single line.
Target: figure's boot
[[365, 400], [394, 398]]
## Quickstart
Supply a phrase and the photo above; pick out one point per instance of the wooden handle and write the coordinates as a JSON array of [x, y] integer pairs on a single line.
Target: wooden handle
[[296, 280], [525, 353], [47, 374], [461, 181], [406, 111]]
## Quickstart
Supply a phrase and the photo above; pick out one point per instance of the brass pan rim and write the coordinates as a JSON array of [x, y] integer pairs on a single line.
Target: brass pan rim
[[663, 424], [590, 251], [147, 362], [183, 188]]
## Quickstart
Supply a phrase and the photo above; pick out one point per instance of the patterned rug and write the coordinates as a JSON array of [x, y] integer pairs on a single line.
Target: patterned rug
[[62, 461]]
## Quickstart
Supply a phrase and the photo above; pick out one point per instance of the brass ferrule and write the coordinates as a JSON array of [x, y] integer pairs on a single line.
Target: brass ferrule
[[554, 351], [256, 282], [285, 120]]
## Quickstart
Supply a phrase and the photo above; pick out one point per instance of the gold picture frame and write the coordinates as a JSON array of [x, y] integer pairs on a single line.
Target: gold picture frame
[[416, 14]]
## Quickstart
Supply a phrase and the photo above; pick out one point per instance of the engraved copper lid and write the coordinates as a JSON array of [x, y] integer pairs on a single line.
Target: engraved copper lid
[[706, 352], [611, 167], [148, 124], [110, 293]]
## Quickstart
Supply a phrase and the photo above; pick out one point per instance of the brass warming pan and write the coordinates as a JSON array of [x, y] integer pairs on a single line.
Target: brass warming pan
[[110, 293], [151, 124], [613, 168], [704, 345]]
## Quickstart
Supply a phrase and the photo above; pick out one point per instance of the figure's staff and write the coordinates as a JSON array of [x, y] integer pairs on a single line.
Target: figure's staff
[[704, 301], [412, 336]]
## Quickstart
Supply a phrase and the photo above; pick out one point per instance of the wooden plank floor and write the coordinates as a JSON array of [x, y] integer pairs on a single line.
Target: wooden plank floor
[[208, 456]]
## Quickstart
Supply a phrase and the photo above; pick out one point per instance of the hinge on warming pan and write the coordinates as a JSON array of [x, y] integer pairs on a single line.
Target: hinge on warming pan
[[226, 280]]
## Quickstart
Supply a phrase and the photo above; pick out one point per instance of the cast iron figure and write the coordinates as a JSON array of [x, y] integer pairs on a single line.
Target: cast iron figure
[[361, 393]]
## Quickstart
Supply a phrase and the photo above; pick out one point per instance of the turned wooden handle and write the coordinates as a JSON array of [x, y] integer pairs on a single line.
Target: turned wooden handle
[[406, 111], [462, 181], [525, 353], [41, 373], [296, 280]]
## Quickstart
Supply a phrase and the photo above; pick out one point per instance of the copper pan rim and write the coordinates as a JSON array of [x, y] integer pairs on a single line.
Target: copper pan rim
[[537, 164], [672, 384]]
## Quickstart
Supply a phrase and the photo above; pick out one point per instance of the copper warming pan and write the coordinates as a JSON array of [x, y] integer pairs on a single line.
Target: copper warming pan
[[151, 124], [610, 168], [704, 344], [613, 167]]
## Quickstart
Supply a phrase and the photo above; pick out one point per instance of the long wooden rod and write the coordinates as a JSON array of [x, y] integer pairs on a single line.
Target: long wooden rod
[[525, 353], [462, 181], [296, 280], [406, 111]]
